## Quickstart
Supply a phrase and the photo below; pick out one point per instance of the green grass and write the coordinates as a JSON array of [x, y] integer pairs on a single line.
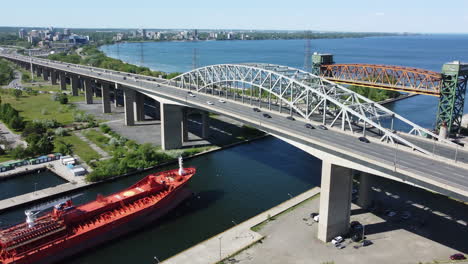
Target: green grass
[[98, 138], [31, 107], [6, 157], [80, 147]]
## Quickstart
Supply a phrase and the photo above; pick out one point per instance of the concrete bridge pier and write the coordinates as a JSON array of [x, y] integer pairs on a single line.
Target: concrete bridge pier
[[38, 71], [205, 120], [74, 85], [106, 106], [366, 194], [185, 114], [88, 83], [45, 75], [129, 101], [63, 81], [335, 201], [139, 106], [171, 126], [116, 91], [53, 77]]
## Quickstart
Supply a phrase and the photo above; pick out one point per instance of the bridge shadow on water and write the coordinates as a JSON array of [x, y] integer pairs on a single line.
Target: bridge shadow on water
[[433, 216]]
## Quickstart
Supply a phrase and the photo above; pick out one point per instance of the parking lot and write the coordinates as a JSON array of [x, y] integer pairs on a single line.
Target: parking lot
[[423, 228]]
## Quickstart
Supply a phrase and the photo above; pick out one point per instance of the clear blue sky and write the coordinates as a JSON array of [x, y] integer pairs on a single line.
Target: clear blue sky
[[436, 16]]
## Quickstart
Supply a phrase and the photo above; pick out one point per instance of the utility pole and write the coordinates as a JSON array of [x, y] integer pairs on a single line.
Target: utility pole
[[195, 59], [30, 61], [307, 55]]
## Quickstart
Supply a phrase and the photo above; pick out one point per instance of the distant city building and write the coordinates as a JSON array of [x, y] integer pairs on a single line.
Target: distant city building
[[119, 37], [75, 39], [230, 35], [141, 33], [22, 33], [66, 32]]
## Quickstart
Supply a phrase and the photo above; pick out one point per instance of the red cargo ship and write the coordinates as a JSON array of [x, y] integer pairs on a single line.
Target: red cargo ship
[[67, 229]]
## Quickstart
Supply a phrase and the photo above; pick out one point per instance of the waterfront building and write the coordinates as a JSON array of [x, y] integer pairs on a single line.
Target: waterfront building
[[22, 33]]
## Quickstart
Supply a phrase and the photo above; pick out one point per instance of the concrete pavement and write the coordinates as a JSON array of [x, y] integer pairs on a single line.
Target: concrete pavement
[[234, 239]]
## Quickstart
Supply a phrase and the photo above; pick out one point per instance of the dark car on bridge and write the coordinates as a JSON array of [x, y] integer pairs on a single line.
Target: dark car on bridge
[[310, 126], [364, 139], [322, 127], [266, 115], [457, 256], [256, 109], [290, 118]]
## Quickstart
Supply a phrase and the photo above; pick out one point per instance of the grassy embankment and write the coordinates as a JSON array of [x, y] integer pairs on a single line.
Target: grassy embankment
[[42, 107]]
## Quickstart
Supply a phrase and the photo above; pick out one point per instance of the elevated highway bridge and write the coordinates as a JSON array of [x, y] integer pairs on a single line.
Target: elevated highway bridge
[[420, 158]]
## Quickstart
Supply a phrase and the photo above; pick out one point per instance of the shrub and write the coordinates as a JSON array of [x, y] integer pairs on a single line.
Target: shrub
[[44, 111], [60, 131], [17, 123], [104, 128], [63, 99], [17, 93]]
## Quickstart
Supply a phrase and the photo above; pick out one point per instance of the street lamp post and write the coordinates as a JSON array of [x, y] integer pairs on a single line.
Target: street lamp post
[[220, 257], [156, 258]]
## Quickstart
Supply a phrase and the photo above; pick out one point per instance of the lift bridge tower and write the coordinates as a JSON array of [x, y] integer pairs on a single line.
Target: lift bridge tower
[[452, 85], [452, 96]]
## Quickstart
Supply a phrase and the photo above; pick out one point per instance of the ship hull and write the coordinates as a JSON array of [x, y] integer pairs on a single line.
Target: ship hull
[[102, 235]]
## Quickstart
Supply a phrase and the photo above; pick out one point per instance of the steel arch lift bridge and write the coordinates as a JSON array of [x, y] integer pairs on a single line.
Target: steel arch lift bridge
[[303, 94], [449, 86]]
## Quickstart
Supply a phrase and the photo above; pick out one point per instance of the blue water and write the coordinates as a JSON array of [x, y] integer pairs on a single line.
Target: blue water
[[426, 51]]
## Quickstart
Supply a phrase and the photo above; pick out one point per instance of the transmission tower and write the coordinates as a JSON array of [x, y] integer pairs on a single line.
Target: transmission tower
[[142, 55], [195, 59], [307, 54], [118, 50]]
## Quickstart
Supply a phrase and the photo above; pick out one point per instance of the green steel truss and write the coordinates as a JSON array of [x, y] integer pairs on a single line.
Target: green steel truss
[[452, 96]]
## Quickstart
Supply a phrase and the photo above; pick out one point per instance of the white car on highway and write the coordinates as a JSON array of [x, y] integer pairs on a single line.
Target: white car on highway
[[209, 102], [221, 101]]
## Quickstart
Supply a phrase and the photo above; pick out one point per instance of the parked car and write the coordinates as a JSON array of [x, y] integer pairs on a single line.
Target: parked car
[[322, 127], [317, 218], [364, 139], [458, 256], [266, 115], [354, 224], [256, 109], [337, 240], [366, 243], [339, 246], [405, 215], [290, 118]]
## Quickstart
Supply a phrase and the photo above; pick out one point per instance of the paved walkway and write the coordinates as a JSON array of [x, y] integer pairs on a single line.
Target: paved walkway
[[39, 195], [100, 151], [233, 240], [12, 138]]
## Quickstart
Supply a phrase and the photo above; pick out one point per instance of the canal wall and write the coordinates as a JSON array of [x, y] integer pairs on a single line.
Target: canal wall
[[391, 100]]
